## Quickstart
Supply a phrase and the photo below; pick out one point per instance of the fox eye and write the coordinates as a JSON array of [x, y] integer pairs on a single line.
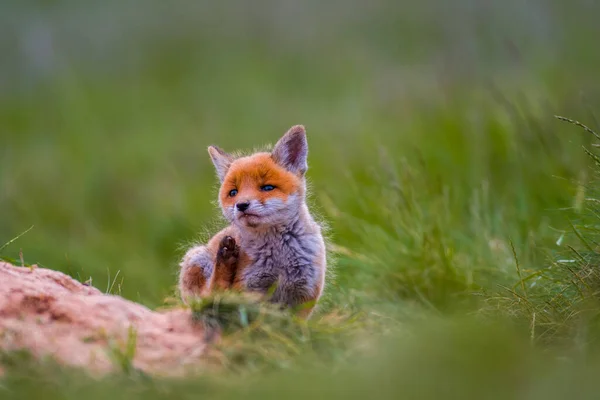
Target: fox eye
[[232, 192], [267, 188]]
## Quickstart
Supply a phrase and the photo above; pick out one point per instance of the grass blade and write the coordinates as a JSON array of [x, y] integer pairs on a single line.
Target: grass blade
[[5, 245]]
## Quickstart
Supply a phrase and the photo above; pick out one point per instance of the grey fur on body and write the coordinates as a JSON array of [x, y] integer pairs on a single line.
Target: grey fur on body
[[283, 255]]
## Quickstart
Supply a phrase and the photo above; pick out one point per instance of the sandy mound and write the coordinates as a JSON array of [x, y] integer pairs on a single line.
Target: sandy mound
[[51, 314]]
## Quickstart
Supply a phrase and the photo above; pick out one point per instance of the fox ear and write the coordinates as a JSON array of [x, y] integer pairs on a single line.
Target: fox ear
[[221, 160], [291, 151]]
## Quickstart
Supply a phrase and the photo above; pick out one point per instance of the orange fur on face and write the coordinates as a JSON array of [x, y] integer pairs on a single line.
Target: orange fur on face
[[248, 174]]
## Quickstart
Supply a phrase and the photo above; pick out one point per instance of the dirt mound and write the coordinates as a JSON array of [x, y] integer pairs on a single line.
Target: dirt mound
[[51, 314]]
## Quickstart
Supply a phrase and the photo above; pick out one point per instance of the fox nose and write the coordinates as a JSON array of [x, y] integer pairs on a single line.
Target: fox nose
[[242, 206]]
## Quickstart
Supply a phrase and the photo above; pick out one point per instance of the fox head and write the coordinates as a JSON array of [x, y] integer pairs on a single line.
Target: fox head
[[263, 189]]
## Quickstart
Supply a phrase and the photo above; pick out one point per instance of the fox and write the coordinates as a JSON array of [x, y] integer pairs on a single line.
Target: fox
[[273, 247]]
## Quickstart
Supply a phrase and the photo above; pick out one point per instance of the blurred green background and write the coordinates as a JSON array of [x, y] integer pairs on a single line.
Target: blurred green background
[[435, 157]]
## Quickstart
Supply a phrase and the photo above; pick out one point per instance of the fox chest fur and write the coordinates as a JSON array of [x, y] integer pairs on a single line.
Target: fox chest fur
[[287, 260]]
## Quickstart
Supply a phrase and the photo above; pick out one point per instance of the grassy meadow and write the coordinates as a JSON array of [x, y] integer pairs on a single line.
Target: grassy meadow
[[462, 214]]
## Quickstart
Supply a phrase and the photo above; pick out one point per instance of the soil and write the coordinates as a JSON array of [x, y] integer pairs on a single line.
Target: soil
[[51, 314]]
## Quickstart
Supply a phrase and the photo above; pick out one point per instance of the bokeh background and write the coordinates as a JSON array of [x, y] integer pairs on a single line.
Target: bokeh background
[[435, 157]]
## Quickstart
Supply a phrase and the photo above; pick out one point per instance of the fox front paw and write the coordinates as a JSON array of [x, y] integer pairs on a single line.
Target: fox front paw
[[228, 252]]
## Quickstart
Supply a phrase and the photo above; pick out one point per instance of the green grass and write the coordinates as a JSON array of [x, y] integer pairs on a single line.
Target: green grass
[[463, 215]]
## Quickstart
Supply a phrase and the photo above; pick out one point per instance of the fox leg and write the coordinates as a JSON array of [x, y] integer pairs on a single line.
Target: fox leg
[[225, 266], [296, 290], [202, 271], [196, 269]]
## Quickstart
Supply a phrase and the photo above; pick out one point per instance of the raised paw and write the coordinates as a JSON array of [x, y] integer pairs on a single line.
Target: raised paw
[[228, 251]]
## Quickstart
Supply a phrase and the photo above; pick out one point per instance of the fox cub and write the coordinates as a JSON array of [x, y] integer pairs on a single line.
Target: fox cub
[[273, 246]]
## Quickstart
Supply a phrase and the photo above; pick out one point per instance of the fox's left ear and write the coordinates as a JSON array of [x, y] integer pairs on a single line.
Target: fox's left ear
[[221, 161], [291, 151]]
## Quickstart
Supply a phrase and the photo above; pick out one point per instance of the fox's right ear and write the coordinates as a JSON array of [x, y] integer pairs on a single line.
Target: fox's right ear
[[291, 150], [221, 160]]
